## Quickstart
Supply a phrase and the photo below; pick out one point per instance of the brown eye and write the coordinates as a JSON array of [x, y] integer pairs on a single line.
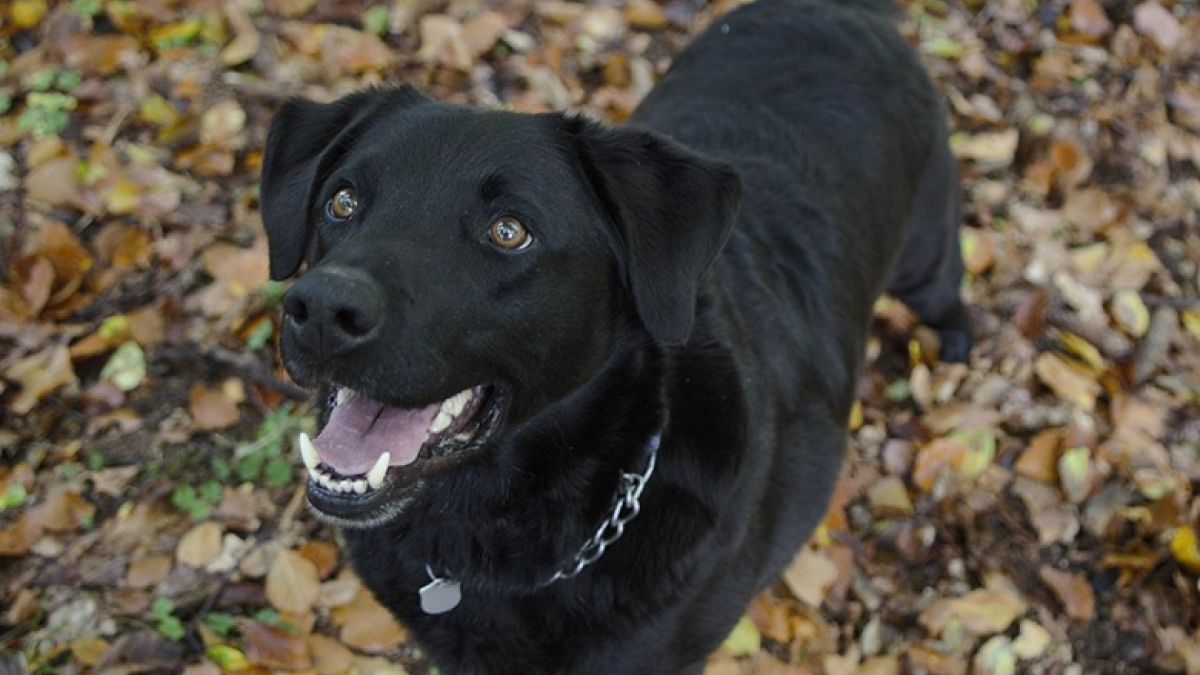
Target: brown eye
[[508, 233], [343, 204]]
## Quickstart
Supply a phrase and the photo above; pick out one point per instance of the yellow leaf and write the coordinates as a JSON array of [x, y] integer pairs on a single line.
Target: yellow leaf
[[745, 639], [1084, 350], [230, 660], [126, 368], [200, 545], [1130, 313], [27, 13], [1186, 549]]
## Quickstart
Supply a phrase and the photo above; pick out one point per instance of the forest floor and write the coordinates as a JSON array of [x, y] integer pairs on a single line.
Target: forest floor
[[1032, 511]]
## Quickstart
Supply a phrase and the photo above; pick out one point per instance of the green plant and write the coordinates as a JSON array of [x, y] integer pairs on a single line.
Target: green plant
[[167, 624], [220, 623], [197, 502], [46, 112], [265, 457]]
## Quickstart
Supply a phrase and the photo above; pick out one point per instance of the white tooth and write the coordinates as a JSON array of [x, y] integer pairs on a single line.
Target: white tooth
[[440, 422], [308, 452], [343, 395], [345, 486], [325, 481], [360, 486], [454, 404], [377, 472]]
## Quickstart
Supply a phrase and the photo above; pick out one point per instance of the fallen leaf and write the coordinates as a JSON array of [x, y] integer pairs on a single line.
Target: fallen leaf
[[482, 31], [1088, 17], [1156, 22], [329, 657], [1039, 460], [211, 408], [810, 575], [292, 582], [1072, 590], [274, 648], [995, 657], [1129, 312], [365, 625], [443, 42], [126, 368], [991, 149], [149, 571], [983, 611], [200, 545], [1186, 549], [1032, 641], [1068, 381], [888, 495], [744, 639], [645, 14], [65, 510]]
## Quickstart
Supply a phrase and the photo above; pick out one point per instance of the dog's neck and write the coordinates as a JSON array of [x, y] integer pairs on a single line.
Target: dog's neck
[[443, 593]]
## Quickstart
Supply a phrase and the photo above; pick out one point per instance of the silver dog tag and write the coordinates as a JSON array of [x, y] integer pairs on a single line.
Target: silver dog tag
[[440, 596]]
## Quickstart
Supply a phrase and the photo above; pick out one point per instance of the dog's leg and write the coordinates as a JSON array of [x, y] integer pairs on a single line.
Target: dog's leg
[[930, 268]]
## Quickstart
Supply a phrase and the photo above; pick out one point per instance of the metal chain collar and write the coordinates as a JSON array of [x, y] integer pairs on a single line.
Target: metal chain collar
[[624, 509], [443, 594]]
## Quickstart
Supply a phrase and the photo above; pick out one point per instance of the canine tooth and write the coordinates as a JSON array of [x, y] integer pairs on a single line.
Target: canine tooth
[[454, 405], [440, 422], [377, 472], [343, 395], [308, 452]]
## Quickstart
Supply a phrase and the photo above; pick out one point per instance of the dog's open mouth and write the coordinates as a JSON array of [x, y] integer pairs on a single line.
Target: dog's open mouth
[[367, 447]]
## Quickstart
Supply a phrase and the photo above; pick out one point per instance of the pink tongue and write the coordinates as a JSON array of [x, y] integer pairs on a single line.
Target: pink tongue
[[360, 430]]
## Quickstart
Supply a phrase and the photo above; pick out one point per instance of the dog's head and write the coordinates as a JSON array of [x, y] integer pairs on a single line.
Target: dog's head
[[465, 270]]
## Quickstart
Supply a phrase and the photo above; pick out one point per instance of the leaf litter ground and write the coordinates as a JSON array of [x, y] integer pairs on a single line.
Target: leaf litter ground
[[1033, 511]]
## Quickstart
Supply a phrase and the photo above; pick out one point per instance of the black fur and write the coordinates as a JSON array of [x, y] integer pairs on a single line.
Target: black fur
[[706, 271]]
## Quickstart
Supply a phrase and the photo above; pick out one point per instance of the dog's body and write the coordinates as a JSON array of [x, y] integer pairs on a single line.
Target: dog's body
[[608, 340]]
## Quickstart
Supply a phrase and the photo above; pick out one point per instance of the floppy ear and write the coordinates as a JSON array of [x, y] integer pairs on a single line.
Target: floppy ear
[[672, 209], [304, 140]]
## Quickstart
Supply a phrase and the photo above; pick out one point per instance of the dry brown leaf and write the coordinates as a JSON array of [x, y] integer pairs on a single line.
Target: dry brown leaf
[[1088, 18], [1156, 22], [329, 657], [884, 664], [1067, 380], [54, 182], [443, 42], [211, 408], [991, 149], [64, 510], [323, 554], [148, 572], [983, 611], [888, 495], [292, 582], [1072, 590], [222, 125], [810, 575], [19, 536], [1039, 460], [102, 55], [291, 9], [274, 648], [930, 660], [364, 624], [645, 15], [482, 31], [200, 545]]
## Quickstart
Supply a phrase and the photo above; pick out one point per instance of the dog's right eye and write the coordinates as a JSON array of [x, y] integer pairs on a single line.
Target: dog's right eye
[[343, 204]]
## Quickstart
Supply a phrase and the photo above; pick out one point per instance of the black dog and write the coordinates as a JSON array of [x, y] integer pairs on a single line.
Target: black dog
[[588, 387]]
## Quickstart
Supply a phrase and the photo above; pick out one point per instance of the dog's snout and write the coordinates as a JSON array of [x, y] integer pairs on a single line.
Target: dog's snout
[[332, 311]]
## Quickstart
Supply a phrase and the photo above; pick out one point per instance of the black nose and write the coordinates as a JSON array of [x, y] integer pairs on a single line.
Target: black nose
[[334, 310]]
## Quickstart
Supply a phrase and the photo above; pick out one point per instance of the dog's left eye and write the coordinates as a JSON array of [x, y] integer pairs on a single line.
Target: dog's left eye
[[343, 204], [508, 233]]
